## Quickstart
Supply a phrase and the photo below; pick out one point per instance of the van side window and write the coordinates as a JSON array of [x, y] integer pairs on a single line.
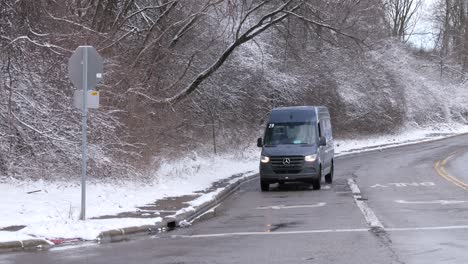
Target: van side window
[[319, 129], [329, 130], [325, 129]]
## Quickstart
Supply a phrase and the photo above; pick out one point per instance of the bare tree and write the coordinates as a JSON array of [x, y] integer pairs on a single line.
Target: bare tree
[[402, 16], [451, 16], [266, 14], [179, 74]]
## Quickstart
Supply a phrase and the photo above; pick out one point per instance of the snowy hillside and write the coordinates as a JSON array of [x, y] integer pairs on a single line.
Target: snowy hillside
[[202, 80]]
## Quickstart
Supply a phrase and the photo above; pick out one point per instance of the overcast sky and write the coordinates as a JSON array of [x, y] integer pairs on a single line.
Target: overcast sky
[[423, 26]]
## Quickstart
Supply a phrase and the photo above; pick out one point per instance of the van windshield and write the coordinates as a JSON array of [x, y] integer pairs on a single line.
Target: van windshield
[[290, 133]]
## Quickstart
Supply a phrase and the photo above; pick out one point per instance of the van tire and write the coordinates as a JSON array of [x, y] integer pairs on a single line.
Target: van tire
[[316, 183], [265, 186], [329, 176], [281, 184]]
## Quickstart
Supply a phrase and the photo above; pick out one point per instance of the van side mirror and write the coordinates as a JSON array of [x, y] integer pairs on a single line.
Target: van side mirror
[[259, 142], [322, 141]]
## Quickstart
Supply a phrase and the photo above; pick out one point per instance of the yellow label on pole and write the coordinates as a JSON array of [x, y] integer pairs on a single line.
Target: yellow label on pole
[[94, 93]]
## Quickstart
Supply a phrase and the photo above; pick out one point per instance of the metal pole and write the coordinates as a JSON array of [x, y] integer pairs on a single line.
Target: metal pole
[[84, 116]]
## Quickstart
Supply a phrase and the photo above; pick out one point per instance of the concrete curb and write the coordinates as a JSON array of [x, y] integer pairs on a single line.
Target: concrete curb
[[120, 234], [171, 222], [24, 244]]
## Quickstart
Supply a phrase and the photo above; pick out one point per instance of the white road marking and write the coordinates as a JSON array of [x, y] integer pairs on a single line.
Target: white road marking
[[321, 231], [444, 202], [274, 233], [429, 228], [277, 207], [369, 215], [74, 246], [354, 188], [379, 185], [403, 184], [427, 184]]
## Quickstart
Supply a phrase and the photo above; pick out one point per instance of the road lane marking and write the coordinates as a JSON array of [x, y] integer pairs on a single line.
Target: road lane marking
[[439, 167], [379, 185], [322, 231], [74, 246], [429, 228], [444, 202], [369, 215], [404, 184], [277, 207], [353, 186], [274, 233]]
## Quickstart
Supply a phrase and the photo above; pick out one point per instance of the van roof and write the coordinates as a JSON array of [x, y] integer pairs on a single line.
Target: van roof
[[294, 114], [288, 108]]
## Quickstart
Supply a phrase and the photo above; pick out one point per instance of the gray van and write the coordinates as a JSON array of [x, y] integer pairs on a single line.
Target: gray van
[[297, 147]]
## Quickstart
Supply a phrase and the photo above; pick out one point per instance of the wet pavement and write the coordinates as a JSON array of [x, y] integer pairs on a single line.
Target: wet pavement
[[456, 165], [423, 218]]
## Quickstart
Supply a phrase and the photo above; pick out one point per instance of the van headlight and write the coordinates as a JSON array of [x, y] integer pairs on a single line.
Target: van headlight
[[310, 158], [264, 159]]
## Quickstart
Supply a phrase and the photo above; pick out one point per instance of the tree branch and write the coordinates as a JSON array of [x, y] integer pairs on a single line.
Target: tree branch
[[246, 36], [338, 31]]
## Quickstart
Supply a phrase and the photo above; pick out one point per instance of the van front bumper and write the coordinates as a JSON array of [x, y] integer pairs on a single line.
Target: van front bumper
[[306, 174]]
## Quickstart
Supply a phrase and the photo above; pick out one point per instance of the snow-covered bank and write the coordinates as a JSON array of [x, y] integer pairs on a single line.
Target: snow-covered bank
[[407, 136], [51, 209], [37, 203], [6, 236], [87, 230]]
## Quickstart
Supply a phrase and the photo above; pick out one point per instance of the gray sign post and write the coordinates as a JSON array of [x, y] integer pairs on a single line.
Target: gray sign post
[[85, 69]]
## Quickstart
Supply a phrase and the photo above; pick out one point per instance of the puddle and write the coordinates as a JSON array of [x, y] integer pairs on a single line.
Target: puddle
[[161, 208]]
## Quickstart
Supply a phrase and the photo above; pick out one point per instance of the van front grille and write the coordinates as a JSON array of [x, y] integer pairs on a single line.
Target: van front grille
[[280, 164]]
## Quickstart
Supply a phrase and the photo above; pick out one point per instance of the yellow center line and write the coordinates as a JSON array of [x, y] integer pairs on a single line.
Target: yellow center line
[[440, 169]]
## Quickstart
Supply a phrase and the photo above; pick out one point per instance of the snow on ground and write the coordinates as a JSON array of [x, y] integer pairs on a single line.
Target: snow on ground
[[87, 230], [205, 198], [408, 136], [6, 236], [31, 202], [51, 209]]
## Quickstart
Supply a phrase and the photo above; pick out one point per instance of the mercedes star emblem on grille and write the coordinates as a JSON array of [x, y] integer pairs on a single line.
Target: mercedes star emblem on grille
[[286, 161]]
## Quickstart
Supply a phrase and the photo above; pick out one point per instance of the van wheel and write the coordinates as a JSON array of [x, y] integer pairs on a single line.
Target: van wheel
[[316, 184], [265, 186], [329, 176]]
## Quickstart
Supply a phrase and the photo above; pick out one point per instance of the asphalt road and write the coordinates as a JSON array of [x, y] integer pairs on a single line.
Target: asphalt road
[[412, 208]]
